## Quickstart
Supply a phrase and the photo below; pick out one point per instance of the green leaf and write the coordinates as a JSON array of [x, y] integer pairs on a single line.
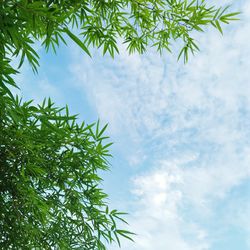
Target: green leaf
[[217, 24], [77, 41]]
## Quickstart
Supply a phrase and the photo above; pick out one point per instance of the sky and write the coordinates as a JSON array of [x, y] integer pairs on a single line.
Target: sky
[[181, 133]]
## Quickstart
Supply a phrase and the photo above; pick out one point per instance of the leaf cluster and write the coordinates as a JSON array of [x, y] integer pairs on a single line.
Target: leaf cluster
[[102, 23], [50, 195]]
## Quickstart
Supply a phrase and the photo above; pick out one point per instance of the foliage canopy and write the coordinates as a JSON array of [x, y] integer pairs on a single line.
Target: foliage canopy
[[50, 197], [102, 23], [49, 180]]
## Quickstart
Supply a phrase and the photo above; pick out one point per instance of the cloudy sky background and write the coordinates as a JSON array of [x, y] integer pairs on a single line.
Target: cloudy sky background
[[181, 164]]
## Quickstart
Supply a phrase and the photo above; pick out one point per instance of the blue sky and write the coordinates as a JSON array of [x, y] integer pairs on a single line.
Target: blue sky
[[181, 164]]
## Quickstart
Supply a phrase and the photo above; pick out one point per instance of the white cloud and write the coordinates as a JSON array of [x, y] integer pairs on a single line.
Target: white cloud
[[170, 195], [157, 220]]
